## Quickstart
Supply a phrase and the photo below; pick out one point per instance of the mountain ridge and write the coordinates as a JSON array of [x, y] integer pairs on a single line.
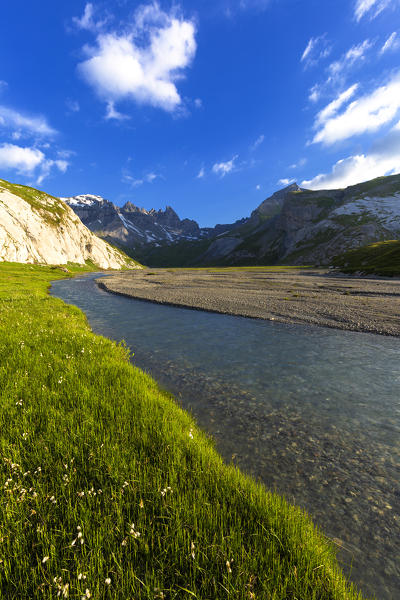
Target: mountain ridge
[[293, 226]]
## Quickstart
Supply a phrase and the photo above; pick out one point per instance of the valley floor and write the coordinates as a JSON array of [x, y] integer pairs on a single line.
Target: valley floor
[[284, 294]]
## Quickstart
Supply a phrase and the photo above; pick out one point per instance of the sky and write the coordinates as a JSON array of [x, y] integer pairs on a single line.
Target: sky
[[206, 106]]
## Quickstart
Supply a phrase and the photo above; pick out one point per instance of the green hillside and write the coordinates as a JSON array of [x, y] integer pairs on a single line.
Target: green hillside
[[381, 258]]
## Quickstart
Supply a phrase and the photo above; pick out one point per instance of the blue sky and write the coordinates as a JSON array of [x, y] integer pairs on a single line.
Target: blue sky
[[206, 106]]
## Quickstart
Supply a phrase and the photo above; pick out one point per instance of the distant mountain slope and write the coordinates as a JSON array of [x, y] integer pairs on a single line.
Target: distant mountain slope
[[36, 227], [130, 226], [293, 226]]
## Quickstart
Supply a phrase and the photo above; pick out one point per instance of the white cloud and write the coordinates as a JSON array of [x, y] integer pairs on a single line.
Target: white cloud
[[198, 103], [382, 159], [285, 181], [201, 173], [355, 169], [362, 7], [223, 168], [26, 160], [12, 119], [392, 43], [257, 143], [365, 115], [258, 187], [144, 63], [316, 49], [332, 108]]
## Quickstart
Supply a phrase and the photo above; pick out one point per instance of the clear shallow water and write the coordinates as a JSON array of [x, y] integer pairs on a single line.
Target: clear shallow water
[[312, 412]]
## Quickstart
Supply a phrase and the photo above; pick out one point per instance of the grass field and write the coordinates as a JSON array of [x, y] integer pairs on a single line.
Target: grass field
[[108, 490]]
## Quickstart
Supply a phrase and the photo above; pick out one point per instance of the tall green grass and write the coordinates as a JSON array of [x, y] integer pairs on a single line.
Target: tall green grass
[[108, 490]]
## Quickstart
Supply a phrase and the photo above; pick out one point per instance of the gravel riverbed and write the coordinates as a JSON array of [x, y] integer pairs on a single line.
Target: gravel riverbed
[[315, 296]]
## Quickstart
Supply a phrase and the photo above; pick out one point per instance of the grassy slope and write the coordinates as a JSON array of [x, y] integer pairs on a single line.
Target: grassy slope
[[51, 209], [381, 258], [93, 453]]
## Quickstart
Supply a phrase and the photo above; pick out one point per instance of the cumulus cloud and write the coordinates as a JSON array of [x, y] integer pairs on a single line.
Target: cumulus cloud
[[12, 119], [355, 169], [367, 114], [223, 168], [143, 63], [29, 161], [371, 7], [382, 159], [316, 49], [392, 43]]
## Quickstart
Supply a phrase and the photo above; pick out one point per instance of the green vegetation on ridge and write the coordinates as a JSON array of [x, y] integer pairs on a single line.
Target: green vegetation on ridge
[[109, 489], [381, 258], [51, 209]]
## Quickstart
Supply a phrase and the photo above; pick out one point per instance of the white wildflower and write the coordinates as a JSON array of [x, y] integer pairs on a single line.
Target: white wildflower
[[192, 549], [45, 559], [191, 434], [81, 576], [107, 581]]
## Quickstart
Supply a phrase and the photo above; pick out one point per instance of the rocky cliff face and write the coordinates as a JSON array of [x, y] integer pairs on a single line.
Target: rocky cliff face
[[301, 226], [130, 226], [38, 228]]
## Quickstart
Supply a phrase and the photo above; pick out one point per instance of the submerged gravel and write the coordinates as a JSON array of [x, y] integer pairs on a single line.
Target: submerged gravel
[[318, 297]]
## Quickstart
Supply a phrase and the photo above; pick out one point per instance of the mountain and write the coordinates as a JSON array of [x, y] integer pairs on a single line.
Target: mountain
[[130, 226], [38, 228], [293, 226]]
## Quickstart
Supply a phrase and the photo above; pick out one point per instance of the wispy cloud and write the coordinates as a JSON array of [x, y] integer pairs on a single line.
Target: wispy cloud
[[72, 105], [285, 181], [112, 113], [223, 168], [87, 20], [257, 142], [144, 62], [365, 115], [12, 119], [137, 182], [392, 43], [372, 8], [349, 58], [201, 173], [300, 163], [338, 71], [29, 161], [316, 49]]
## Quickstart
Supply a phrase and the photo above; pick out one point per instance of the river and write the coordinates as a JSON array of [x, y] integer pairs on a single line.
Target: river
[[312, 412]]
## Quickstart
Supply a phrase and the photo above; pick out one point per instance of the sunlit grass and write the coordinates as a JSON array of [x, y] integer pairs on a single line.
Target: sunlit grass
[[109, 490]]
